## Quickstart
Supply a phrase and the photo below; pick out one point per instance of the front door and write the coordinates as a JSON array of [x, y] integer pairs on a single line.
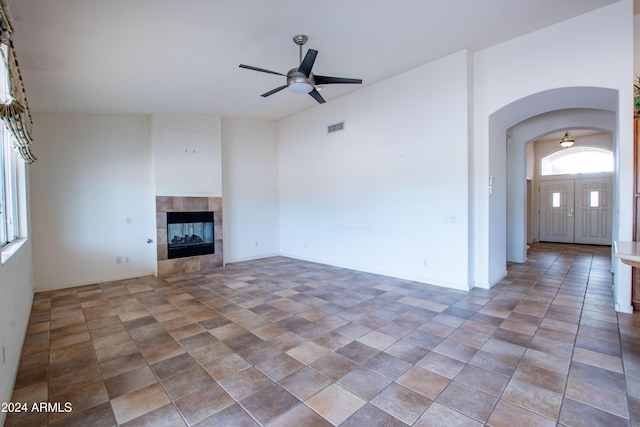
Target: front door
[[576, 211], [557, 211], [593, 211]]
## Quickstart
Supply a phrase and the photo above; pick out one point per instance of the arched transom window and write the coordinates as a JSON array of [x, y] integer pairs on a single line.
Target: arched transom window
[[577, 160]]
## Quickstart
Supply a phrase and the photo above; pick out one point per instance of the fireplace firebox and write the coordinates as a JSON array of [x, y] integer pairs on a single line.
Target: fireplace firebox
[[189, 234]]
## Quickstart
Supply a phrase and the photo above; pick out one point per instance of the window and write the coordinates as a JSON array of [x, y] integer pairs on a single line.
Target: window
[[577, 160], [594, 199], [12, 181], [9, 164], [555, 200]]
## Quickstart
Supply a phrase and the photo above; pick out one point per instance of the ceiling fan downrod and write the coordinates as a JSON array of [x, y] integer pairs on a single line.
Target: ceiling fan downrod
[[300, 40]]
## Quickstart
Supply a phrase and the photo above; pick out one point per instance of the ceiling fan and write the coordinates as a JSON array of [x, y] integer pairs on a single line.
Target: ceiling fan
[[301, 79]]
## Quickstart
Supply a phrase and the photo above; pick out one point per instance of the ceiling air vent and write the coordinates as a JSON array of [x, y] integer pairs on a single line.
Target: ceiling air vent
[[336, 127]]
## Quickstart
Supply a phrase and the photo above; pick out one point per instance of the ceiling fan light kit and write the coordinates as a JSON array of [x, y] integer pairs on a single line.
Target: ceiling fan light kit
[[298, 82], [301, 79]]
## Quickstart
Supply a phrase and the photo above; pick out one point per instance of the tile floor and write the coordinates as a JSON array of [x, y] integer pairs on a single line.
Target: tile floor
[[282, 342]]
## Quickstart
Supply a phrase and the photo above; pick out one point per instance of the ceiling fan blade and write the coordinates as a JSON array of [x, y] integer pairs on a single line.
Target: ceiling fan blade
[[316, 95], [307, 62], [262, 70], [325, 80], [272, 91]]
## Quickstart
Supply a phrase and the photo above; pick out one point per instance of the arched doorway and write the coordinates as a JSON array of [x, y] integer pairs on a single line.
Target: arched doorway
[[522, 134], [511, 128]]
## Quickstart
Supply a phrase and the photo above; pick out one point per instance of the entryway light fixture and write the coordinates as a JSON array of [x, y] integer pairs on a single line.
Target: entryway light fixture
[[567, 140]]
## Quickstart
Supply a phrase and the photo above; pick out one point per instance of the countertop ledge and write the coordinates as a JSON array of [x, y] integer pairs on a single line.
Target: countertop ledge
[[627, 252]]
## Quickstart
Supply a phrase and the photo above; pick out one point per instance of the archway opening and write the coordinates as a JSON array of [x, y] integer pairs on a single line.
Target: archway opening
[[511, 128]]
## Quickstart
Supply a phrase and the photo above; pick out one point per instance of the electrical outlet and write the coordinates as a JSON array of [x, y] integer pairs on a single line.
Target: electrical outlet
[[127, 260], [118, 260]]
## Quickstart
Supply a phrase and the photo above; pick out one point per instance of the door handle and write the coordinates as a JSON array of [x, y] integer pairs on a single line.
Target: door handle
[[570, 212]]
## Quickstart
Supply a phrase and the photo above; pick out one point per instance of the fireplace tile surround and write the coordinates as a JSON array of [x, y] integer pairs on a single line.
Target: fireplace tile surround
[[164, 204]]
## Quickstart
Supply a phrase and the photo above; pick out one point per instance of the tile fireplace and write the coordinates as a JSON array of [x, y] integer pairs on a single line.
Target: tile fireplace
[[189, 234]]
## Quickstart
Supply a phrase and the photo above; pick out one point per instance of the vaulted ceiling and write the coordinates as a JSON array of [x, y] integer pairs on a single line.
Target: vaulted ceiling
[[146, 56]]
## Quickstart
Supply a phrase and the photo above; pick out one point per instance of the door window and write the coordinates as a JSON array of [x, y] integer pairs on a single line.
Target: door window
[[577, 160]]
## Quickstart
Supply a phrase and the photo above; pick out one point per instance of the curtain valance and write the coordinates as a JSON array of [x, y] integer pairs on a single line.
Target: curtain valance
[[15, 109], [6, 23]]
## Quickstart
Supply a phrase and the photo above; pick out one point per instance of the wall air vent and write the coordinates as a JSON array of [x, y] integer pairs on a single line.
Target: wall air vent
[[336, 127]]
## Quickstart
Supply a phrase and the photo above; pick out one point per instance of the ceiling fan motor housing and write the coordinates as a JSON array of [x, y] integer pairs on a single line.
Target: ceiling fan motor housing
[[298, 82]]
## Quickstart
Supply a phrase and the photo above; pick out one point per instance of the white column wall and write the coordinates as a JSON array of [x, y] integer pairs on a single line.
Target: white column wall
[[250, 185], [598, 45], [187, 153]]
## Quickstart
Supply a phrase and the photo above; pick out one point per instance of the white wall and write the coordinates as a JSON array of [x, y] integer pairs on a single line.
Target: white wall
[[250, 185], [91, 199], [530, 64], [187, 152], [389, 193], [16, 294]]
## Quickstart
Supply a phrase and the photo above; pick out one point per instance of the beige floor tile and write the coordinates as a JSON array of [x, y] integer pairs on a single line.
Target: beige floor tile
[[533, 398], [377, 340], [308, 352], [335, 403], [424, 382], [599, 360], [138, 402]]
